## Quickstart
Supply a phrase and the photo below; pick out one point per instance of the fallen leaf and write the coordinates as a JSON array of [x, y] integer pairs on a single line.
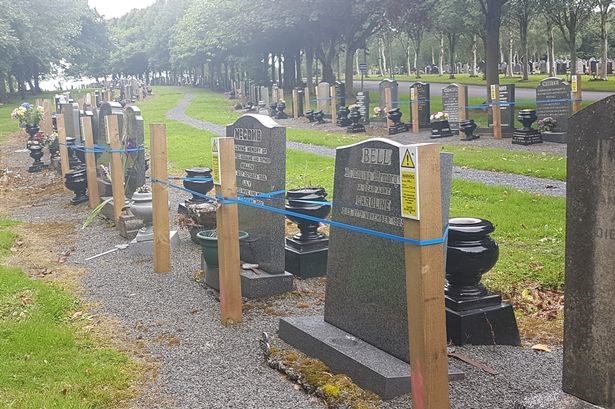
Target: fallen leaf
[[541, 347]]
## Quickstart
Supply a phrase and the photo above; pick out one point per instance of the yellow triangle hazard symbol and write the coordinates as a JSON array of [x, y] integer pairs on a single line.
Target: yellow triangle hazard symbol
[[407, 162]]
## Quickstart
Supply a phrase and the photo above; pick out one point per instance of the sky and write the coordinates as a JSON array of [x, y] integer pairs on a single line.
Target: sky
[[117, 8]]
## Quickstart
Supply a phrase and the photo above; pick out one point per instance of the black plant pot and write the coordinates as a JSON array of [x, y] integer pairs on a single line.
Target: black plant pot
[[273, 109], [527, 117], [319, 117], [31, 130], [281, 114], [310, 116], [342, 117], [73, 161], [36, 153], [468, 127], [199, 186], [471, 252], [76, 181], [355, 118], [308, 229]]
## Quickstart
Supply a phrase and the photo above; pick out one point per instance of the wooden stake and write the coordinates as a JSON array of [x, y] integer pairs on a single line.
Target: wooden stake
[[295, 103], [308, 102], [414, 107], [46, 122], [318, 100], [160, 198], [90, 162], [577, 93], [388, 104], [462, 97], [228, 237], [62, 145], [333, 92], [117, 169], [495, 109], [425, 278]]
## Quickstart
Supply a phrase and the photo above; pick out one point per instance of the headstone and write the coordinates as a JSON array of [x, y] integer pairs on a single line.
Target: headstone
[[366, 280], [394, 93], [363, 103], [507, 108], [340, 93], [71, 121], [108, 108], [553, 100], [323, 96], [542, 66], [133, 138], [423, 95], [264, 94], [260, 160], [450, 105]]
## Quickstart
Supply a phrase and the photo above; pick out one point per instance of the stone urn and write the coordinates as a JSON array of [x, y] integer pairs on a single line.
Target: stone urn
[[470, 253], [319, 117], [73, 161], [208, 240], [342, 117], [395, 115], [202, 187], [36, 153], [468, 126], [527, 117], [76, 181], [310, 116], [31, 130], [355, 118], [280, 108], [273, 109], [141, 207], [302, 201]]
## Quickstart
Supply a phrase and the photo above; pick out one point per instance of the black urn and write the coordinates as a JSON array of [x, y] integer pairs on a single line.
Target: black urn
[[73, 161], [310, 116], [305, 201], [76, 181], [280, 108], [394, 115], [342, 117], [273, 109], [36, 153], [319, 117], [527, 117], [471, 252], [193, 183], [355, 117], [468, 126]]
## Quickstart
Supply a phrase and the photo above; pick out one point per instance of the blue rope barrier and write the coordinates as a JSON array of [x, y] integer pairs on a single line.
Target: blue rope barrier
[[552, 101], [419, 100]]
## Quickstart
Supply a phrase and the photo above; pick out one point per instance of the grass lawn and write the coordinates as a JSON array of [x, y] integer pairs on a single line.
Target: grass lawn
[[530, 228], [47, 357], [532, 82]]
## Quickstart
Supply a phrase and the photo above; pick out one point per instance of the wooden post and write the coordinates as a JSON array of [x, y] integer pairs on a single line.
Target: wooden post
[[388, 104], [117, 169], [228, 236], [80, 102], [46, 122], [318, 101], [62, 145], [414, 108], [90, 162], [295, 103], [160, 198], [425, 270], [333, 92], [281, 94], [577, 93], [462, 96], [495, 109], [38, 102], [308, 102]]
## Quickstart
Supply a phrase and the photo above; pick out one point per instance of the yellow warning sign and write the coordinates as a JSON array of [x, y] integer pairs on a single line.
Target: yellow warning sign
[[215, 161], [407, 161], [574, 83], [409, 182]]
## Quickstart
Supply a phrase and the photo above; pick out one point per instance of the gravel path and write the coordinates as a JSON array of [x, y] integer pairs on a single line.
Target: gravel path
[[518, 182]]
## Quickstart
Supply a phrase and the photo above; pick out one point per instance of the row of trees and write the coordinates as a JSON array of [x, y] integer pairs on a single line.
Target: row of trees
[[279, 40]]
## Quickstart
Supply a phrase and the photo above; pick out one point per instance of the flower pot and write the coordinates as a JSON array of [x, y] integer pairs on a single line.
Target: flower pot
[[468, 127], [76, 181], [527, 117], [36, 153], [141, 207], [200, 186], [297, 203], [208, 240]]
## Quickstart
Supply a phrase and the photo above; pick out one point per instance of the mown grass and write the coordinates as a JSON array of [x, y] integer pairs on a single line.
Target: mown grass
[[530, 228], [532, 81], [47, 358]]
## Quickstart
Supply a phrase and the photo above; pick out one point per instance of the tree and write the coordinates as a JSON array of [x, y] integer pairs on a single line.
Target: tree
[[568, 16], [522, 11], [492, 12], [604, 6]]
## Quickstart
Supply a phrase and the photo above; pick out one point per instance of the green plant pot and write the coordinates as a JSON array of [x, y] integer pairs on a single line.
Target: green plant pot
[[209, 245]]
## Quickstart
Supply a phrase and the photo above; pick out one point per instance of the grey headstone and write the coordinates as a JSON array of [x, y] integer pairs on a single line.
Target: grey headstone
[[260, 160], [450, 105], [589, 346], [553, 100], [133, 136], [108, 108], [363, 103], [324, 97], [423, 96], [507, 108], [71, 120], [366, 282], [384, 84], [265, 95]]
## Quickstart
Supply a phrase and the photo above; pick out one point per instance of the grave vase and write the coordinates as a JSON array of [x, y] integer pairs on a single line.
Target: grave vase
[[202, 187], [208, 240], [468, 127], [31, 130], [527, 135], [355, 118], [36, 153], [141, 207], [76, 181]]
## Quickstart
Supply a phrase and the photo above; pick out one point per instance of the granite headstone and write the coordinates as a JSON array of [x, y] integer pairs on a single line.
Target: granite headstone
[[363, 103], [422, 93], [450, 105], [323, 97], [507, 108], [553, 100], [384, 84], [133, 137]]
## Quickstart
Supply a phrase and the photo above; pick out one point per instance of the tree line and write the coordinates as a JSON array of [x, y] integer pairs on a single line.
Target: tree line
[[286, 41]]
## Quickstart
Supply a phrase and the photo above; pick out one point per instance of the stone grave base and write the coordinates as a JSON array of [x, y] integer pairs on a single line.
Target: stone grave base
[[355, 128], [526, 138], [554, 400], [128, 225], [369, 367], [557, 137], [491, 325], [146, 248], [107, 209], [253, 285], [399, 128], [306, 260]]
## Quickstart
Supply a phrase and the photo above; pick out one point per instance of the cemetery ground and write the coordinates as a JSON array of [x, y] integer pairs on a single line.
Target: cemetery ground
[[175, 319]]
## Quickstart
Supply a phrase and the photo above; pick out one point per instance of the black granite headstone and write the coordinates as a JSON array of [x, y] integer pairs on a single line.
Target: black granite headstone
[[422, 93], [133, 138], [507, 108], [108, 108], [450, 105], [553, 100], [384, 84], [340, 93]]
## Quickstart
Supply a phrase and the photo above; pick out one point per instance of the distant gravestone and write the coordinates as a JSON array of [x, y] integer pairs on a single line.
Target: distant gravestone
[[340, 93], [507, 108], [423, 95], [71, 120], [451, 105], [264, 94], [363, 103], [108, 108], [553, 100], [323, 97], [133, 138], [384, 84]]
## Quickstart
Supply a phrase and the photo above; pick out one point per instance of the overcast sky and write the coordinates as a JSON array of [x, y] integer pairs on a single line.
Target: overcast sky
[[116, 8]]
